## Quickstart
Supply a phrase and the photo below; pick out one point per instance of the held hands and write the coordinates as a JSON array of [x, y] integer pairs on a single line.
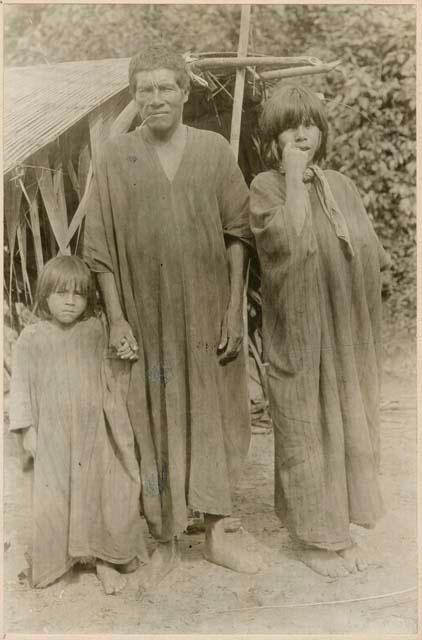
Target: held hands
[[294, 160], [122, 340], [231, 333]]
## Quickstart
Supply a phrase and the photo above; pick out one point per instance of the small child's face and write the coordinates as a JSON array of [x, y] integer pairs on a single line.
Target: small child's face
[[66, 306]]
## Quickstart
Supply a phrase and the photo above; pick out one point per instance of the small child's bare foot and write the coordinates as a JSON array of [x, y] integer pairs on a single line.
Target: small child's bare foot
[[326, 563], [110, 578], [354, 558], [164, 559], [129, 567]]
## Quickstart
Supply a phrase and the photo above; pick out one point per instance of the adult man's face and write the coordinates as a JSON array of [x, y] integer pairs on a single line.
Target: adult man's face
[[160, 99]]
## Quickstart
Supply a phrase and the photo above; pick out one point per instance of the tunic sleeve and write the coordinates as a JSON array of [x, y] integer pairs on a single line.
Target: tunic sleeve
[[96, 245], [383, 257], [21, 415], [273, 226], [233, 197]]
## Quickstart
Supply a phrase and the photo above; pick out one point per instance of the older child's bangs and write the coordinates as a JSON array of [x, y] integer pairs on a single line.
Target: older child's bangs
[[290, 107], [65, 273]]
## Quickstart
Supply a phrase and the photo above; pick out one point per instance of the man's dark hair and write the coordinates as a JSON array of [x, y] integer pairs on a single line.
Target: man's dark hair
[[158, 57]]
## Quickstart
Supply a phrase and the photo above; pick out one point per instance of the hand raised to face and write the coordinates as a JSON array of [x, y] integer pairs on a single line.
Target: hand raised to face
[[294, 160], [299, 143]]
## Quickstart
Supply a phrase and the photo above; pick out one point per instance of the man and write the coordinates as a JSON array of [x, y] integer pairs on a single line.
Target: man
[[167, 233]]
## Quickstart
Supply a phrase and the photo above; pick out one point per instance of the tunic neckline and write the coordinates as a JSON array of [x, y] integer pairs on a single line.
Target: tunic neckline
[[154, 153]]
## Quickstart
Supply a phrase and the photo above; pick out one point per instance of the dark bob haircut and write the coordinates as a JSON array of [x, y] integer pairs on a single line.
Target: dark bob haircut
[[289, 107], [64, 272], [158, 57]]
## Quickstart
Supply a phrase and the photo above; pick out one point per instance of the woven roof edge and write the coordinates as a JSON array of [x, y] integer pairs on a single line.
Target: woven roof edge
[[25, 134]]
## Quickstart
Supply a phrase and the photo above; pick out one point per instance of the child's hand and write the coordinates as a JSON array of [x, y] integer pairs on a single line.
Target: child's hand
[[126, 351], [123, 341], [29, 442], [294, 160]]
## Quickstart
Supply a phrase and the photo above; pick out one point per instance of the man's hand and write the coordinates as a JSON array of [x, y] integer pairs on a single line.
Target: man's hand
[[29, 442], [231, 333], [122, 340]]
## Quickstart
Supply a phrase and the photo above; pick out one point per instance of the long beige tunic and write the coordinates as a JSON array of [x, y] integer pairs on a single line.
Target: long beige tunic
[[86, 483], [165, 243], [322, 340]]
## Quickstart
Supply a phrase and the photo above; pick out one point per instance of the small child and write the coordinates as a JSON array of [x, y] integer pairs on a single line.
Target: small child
[[68, 407]]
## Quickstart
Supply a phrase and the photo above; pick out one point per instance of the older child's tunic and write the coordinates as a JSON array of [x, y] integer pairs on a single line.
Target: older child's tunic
[[322, 331], [86, 485]]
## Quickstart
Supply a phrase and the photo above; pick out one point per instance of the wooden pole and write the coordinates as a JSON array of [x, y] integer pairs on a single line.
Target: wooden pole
[[213, 64], [240, 79], [298, 71], [235, 138]]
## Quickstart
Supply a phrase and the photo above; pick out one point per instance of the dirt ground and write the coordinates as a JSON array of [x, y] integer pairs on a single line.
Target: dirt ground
[[284, 597]]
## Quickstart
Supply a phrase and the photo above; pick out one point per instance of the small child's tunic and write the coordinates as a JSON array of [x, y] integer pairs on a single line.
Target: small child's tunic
[[86, 480]]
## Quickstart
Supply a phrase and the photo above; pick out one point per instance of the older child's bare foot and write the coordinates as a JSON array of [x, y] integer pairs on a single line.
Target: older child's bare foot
[[354, 558], [164, 559], [221, 549], [326, 563], [110, 578]]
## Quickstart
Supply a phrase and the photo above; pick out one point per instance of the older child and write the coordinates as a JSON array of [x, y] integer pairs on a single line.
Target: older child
[[68, 408], [321, 263]]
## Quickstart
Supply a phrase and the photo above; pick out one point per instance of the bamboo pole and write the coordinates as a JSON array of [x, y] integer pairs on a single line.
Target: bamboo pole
[[206, 64], [240, 79], [298, 71]]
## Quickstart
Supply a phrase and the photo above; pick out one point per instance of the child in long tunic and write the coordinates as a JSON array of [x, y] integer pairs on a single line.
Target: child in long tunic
[[67, 405], [321, 285]]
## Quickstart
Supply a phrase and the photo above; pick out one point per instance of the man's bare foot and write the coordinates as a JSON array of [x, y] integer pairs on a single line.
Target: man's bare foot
[[164, 559], [223, 550], [326, 563], [110, 578], [354, 559]]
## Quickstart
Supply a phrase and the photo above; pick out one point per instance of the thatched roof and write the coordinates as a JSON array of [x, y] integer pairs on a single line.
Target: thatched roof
[[41, 102]]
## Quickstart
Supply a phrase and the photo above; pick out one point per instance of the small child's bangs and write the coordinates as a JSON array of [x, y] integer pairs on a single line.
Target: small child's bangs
[[65, 273]]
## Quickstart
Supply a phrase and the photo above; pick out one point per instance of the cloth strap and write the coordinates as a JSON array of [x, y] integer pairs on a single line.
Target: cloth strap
[[315, 174]]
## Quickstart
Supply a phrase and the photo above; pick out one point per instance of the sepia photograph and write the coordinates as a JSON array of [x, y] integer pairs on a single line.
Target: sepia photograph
[[209, 319]]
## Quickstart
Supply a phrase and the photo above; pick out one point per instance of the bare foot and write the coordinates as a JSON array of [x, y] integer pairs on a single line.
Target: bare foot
[[326, 563], [354, 558], [129, 567], [110, 578], [223, 550], [165, 558]]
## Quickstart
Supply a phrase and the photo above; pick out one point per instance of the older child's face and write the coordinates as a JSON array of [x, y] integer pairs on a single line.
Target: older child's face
[[306, 137], [66, 306]]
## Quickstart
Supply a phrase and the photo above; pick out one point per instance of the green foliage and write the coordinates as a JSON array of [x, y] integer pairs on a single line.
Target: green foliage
[[371, 101]]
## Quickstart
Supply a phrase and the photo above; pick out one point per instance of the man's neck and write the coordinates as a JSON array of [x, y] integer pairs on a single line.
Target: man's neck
[[169, 137]]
